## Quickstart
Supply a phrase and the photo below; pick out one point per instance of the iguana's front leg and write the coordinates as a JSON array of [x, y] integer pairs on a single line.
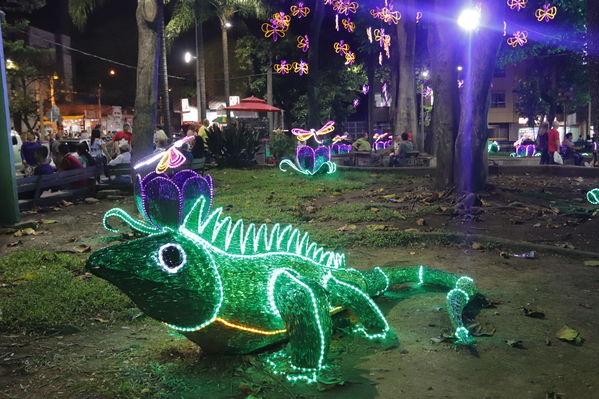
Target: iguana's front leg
[[304, 308]]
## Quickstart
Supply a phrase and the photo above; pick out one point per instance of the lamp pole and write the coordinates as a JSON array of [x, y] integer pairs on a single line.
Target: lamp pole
[[9, 211], [199, 101]]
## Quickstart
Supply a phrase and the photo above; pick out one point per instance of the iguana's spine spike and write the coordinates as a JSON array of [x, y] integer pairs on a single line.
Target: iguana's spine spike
[[221, 231], [274, 233], [207, 227], [261, 238], [193, 220], [303, 245], [310, 251], [283, 237], [235, 238], [317, 254], [248, 242], [293, 240]]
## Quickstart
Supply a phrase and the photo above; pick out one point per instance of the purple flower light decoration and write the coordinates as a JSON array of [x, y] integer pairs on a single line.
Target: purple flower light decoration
[[365, 89], [164, 201], [356, 102]]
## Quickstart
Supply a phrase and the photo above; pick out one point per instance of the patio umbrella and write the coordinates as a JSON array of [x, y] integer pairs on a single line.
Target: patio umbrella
[[253, 104]]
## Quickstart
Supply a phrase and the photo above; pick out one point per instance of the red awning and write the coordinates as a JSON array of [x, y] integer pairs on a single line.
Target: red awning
[[253, 104]]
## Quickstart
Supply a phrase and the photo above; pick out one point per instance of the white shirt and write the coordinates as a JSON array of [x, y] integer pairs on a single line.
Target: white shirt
[[121, 158]]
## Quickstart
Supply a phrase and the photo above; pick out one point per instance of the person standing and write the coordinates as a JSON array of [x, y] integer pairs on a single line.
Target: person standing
[[203, 131], [553, 140], [543, 142]]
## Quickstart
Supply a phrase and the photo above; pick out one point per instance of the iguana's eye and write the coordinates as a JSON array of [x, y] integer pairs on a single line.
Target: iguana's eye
[[171, 257]]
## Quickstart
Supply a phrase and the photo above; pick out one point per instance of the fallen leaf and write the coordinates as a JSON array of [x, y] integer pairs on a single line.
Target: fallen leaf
[[48, 221], [99, 320], [476, 245], [347, 227], [374, 209], [412, 253], [411, 230], [82, 248], [66, 203], [91, 200], [14, 243], [24, 232], [536, 225], [84, 276], [389, 196], [591, 262], [421, 222], [376, 227], [568, 334]]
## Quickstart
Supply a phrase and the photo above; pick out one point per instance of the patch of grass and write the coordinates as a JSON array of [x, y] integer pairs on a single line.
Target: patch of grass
[[356, 213], [44, 294]]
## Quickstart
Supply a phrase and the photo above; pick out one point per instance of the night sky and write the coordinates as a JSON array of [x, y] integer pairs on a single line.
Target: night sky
[[111, 32]]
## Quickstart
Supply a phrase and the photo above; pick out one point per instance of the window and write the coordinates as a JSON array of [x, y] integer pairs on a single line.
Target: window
[[498, 100]]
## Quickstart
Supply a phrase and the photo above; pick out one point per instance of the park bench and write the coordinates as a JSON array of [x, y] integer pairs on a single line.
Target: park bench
[[113, 172], [64, 185]]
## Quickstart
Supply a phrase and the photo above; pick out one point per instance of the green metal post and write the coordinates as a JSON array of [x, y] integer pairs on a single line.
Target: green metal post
[[9, 210]]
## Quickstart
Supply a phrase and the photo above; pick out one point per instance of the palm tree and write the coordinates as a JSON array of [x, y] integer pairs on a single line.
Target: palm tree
[[188, 14], [225, 10]]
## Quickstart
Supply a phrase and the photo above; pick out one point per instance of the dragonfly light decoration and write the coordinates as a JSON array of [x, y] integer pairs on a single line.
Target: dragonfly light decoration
[[386, 14], [341, 47], [338, 138], [273, 29], [517, 4], [345, 7], [169, 159], [348, 24], [304, 135], [384, 40], [350, 58], [369, 33], [301, 67], [547, 13], [520, 38], [299, 10], [308, 161], [282, 19], [418, 16], [283, 68], [303, 43]]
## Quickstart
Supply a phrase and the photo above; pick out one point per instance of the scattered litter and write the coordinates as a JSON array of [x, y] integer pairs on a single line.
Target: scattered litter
[[533, 313], [592, 263], [476, 245], [515, 344], [568, 334], [526, 255]]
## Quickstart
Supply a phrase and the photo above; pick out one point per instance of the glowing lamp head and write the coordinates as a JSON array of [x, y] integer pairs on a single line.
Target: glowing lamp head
[[425, 74], [228, 25], [460, 67], [188, 57], [469, 19]]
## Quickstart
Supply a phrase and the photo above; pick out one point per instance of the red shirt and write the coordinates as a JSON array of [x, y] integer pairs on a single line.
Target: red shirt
[[553, 140], [69, 162], [122, 135]]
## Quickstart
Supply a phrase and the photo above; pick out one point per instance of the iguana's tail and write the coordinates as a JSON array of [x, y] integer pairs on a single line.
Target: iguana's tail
[[462, 289]]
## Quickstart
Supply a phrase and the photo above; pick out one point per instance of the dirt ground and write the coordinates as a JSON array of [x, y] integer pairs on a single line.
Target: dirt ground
[[517, 356]]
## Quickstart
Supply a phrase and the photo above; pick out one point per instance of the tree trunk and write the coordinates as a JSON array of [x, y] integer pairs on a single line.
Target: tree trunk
[[166, 107], [405, 116], [313, 59], [370, 95], [201, 65], [225, 41], [146, 92], [445, 115], [482, 46], [593, 59]]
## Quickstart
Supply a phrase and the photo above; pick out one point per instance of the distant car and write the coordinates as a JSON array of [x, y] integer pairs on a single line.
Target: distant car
[[16, 148]]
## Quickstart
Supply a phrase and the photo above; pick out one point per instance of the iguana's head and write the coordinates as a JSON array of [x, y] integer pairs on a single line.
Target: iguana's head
[[167, 275]]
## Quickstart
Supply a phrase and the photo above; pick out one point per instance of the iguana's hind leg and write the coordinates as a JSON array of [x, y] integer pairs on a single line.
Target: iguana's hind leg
[[304, 308], [353, 298]]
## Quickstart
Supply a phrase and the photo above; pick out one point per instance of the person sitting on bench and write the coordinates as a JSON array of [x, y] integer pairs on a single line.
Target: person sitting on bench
[[362, 144], [401, 151]]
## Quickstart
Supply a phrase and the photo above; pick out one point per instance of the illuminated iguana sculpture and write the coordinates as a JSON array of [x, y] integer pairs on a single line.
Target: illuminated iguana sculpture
[[235, 288]]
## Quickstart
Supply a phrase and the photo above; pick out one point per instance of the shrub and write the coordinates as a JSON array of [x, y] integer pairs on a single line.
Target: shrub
[[282, 144], [234, 146]]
